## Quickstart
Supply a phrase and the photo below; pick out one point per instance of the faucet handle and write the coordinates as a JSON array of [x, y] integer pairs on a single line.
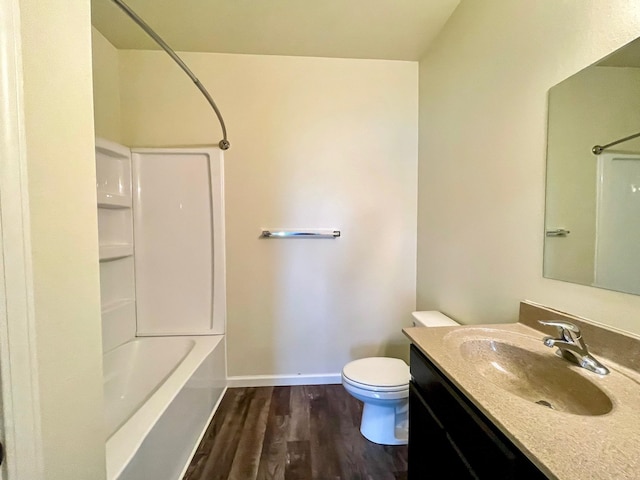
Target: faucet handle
[[560, 324], [564, 328]]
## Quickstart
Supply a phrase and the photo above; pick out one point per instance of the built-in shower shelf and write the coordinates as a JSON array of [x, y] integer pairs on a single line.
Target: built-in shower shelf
[[118, 323], [114, 252], [120, 304], [113, 200]]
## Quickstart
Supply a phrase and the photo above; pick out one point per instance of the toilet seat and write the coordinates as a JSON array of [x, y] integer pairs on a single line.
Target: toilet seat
[[378, 374], [402, 389]]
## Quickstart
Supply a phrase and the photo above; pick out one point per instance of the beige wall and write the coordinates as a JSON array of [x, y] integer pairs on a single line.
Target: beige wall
[[596, 106], [58, 112], [106, 88], [483, 88], [316, 142]]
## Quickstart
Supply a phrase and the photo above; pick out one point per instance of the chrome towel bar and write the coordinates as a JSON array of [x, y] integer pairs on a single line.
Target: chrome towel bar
[[558, 232], [300, 234]]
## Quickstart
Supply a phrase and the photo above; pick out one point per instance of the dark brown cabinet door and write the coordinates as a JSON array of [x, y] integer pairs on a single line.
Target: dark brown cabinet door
[[450, 438]]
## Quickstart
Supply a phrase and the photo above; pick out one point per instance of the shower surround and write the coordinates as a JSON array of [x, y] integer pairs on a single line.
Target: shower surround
[[162, 262]]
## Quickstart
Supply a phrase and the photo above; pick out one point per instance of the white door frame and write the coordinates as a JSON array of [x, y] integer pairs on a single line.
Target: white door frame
[[20, 411]]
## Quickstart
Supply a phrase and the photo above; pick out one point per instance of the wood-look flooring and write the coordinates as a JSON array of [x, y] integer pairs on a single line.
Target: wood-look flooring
[[292, 433]]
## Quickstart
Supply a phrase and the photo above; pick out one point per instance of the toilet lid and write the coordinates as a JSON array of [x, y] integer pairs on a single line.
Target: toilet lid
[[378, 372]]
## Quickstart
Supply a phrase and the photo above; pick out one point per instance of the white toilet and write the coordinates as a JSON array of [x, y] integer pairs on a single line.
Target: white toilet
[[383, 385]]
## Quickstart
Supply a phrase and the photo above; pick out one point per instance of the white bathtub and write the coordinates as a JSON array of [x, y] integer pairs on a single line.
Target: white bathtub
[[160, 393]]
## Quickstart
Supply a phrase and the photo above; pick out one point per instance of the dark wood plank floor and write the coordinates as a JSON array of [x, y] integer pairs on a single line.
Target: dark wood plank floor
[[292, 433]]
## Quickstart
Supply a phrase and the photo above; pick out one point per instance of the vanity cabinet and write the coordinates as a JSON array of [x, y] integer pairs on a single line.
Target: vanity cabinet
[[450, 438]]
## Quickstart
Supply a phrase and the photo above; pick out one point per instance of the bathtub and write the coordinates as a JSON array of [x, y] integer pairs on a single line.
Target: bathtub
[[160, 394]]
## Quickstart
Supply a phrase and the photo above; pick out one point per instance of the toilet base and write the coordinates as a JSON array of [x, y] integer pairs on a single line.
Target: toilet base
[[386, 425]]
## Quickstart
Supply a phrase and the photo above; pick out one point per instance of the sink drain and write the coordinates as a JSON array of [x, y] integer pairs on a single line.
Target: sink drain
[[544, 403]]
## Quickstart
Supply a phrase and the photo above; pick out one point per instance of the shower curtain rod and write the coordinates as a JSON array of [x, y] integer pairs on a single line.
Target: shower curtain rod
[[598, 149], [224, 143]]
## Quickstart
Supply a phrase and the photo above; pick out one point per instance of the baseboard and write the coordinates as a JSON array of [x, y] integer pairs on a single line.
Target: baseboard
[[283, 380]]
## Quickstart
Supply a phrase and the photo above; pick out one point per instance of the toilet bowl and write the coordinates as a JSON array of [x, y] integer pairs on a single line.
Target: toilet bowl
[[382, 384]]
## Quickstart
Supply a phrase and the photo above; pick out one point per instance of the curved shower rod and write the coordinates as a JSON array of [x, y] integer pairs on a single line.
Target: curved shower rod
[[598, 149], [224, 143]]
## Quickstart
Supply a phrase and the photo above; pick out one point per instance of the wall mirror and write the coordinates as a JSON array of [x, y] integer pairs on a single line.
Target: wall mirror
[[592, 218]]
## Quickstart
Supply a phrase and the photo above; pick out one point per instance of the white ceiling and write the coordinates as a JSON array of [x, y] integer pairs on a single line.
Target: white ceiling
[[383, 29]]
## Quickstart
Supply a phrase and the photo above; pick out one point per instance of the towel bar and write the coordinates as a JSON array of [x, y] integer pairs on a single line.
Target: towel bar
[[300, 234]]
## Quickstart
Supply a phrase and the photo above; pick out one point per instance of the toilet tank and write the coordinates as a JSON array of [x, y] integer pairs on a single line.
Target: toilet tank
[[432, 318]]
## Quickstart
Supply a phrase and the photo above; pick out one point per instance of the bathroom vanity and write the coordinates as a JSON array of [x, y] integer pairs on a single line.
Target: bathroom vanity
[[450, 438], [493, 402]]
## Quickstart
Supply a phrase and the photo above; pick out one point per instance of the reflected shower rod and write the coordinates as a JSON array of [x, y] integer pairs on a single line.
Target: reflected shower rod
[[598, 149], [224, 143]]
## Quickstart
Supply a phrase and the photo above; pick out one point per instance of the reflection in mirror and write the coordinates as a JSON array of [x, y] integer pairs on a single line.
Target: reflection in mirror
[[592, 219]]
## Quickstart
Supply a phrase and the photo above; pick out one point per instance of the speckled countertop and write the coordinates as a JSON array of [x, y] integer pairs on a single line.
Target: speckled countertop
[[563, 445]]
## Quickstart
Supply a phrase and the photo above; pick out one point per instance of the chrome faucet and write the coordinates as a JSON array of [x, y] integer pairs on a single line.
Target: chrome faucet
[[571, 346]]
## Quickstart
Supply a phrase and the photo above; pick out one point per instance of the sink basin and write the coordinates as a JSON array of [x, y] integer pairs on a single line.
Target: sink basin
[[541, 378]]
